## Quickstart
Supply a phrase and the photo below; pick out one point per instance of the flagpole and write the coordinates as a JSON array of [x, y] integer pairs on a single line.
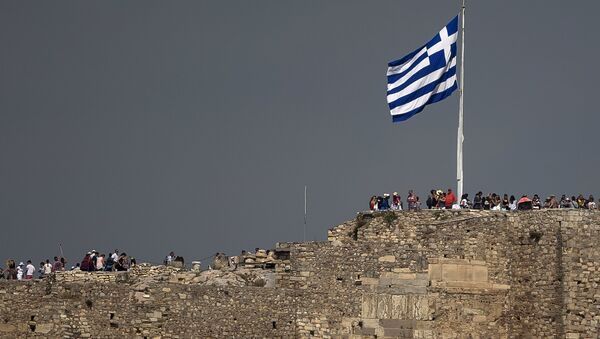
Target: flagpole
[[304, 233], [460, 135]]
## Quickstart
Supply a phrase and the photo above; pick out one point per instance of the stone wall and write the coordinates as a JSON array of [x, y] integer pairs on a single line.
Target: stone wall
[[428, 274]]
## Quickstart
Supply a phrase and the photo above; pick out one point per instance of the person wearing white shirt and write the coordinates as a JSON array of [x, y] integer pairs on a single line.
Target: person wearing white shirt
[[20, 271], [100, 263], [29, 270], [47, 267]]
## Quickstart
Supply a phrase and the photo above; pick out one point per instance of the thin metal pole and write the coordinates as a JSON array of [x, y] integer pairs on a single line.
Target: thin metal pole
[[304, 236], [460, 135]]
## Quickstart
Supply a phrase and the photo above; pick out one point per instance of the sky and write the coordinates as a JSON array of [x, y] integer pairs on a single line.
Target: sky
[[194, 126]]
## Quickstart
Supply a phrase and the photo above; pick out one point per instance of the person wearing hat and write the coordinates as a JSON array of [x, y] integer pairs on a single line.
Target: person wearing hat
[[93, 260], [385, 202], [20, 271], [396, 202]]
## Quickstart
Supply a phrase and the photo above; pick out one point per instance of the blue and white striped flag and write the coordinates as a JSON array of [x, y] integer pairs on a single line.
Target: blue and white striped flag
[[425, 76]]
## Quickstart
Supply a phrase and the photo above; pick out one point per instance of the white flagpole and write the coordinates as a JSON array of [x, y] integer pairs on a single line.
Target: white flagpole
[[460, 136], [304, 237]]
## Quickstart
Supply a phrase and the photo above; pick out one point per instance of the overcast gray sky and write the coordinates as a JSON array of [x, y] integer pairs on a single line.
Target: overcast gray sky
[[193, 126]]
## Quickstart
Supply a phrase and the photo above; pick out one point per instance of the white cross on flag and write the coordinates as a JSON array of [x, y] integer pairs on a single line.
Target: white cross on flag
[[425, 76]]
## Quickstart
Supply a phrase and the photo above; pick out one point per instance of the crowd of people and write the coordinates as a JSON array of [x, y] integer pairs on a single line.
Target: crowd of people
[[439, 199], [92, 261], [382, 203]]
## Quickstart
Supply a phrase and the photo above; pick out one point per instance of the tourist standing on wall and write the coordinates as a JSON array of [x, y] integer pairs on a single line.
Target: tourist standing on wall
[[564, 203], [169, 258], [47, 267], [93, 260], [512, 203], [86, 262], [411, 201], [478, 201], [41, 271], [536, 203], [385, 202], [20, 271], [100, 262], [56, 265], [591, 204], [110, 263], [396, 202], [464, 201], [29, 270], [441, 199], [10, 273], [581, 203], [431, 200], [450, 199], [373, 203]]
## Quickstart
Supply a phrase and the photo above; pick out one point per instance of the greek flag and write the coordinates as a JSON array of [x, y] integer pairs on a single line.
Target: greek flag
[[425, 76]]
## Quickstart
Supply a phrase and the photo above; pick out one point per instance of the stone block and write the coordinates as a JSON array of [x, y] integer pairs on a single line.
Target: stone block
[[467, 284], [7, 327], [387, 258], [384, 306], [369, 281], [435, 272], [479, 273], [422, 276], [371, 323], [398, 333], [450, 272], [365, 331], [479, 318], [402, 270], [369, 306], [406, 276], [500, 286], [388, 275], [420, 307], [399, 307], [401, 290], [471, 311], [464, 273], [397, 323], [423, 334]]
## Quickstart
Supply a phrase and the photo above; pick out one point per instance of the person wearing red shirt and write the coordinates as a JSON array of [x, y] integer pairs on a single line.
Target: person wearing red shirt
[[450, 199]]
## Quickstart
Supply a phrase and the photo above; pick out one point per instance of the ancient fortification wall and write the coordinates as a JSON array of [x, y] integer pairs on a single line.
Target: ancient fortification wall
[[431, 274]]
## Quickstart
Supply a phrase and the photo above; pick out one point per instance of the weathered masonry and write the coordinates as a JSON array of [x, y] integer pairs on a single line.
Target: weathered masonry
[[428, 274]]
